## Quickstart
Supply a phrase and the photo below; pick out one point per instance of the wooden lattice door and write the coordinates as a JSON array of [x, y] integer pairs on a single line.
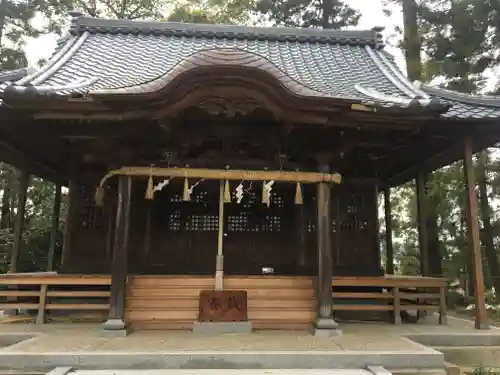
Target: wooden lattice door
[[355, 230], [257, 236]]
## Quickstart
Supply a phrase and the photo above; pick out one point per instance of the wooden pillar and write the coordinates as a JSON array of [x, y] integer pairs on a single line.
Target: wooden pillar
[[324, 322], [55, 227], [19, 224], [301, 232], [473, 237], [147, 232], [422, 224], [389, 255], [73, 202], [219, 263], [116, 319]]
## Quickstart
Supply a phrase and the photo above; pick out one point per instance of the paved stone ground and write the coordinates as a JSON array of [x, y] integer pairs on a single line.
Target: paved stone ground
[[87, 337]]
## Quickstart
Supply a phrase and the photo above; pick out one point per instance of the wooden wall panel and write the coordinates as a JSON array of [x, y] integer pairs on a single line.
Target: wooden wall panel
[[171, 302]]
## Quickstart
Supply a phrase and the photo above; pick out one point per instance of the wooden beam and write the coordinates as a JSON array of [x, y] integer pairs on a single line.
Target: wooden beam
[[481, 321], [222, 174], [442, 156], [23, 181], [389, 255], [14, 156], [55, 227], [116, 318], [422, 221]]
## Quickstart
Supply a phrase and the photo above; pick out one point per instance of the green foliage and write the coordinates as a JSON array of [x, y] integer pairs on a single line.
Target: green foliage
[[37, 222], [326, 14], [115, 9], [212, 11], [483, 370]]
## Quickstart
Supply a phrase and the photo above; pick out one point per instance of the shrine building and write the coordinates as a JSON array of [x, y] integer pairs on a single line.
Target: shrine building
[[234, 164]]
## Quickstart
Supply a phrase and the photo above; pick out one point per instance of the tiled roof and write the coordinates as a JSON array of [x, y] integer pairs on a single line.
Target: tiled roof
[[123, 57]]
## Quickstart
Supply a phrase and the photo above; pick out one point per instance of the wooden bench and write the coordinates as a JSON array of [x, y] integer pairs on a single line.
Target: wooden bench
[[395, 294], [49, 291]]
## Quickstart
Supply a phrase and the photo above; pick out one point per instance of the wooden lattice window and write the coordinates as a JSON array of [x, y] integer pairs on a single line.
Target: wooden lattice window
[[203, 223]]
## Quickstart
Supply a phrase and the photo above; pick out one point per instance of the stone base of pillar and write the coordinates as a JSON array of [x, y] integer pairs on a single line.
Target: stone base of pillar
[[481, 325], [326, 328], [215, 328], [114, 327]]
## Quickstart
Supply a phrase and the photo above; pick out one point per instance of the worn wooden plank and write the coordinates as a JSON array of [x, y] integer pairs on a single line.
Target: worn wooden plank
[[362, 295], [54, 280], [396, 306], [419, 307], [77, 306], [78, 294], [55, 227], [325, 259], [442, 306], [424, 296], [40, 318], [389, 282], [473, 234], [423, 236], [7, 306], [18, 293], [23, 182], [119, 264], [362, 307]]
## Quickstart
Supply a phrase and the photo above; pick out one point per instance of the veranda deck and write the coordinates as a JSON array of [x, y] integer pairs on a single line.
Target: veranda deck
[[171, 302]]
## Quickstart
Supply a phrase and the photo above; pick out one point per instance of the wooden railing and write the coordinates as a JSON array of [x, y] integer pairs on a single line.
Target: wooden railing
[[49, 291], [394, 294]]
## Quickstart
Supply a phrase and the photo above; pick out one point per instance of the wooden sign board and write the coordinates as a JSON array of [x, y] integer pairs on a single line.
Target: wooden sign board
[[223, 306]]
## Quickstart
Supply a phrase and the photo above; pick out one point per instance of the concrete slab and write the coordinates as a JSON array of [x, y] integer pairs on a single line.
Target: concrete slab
[[378, 370], [377, 344], [224, 372], [457, 339], [7, 339], [60, 371], [422, 360], [488, 356]]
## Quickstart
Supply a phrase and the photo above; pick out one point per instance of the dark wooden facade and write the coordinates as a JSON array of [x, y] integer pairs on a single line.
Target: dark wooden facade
[[169, 236]]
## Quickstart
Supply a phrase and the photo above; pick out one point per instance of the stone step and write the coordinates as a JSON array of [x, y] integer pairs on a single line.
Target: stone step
[[470, 356]]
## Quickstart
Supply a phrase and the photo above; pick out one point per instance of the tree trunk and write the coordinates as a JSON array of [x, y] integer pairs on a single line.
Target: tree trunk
[[3, 11], [412, 42], [487, 237], [325, 17], [5, 221], [412, 47]]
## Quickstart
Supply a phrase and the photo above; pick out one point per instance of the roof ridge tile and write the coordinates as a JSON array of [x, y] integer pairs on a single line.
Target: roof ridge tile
[[372, 37]]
